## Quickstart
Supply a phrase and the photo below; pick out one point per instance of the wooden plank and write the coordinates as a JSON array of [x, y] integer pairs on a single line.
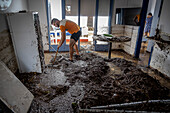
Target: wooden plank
[[12, 92]]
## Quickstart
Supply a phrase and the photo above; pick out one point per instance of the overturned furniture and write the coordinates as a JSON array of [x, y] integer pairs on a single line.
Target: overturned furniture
[[27, 41], [12, 92]]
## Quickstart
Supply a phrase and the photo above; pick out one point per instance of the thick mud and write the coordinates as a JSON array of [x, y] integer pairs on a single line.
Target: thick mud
[[129, 86], [90, 80]]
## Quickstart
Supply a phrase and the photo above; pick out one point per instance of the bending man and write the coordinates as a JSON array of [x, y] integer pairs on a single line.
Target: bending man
[[73, 29]]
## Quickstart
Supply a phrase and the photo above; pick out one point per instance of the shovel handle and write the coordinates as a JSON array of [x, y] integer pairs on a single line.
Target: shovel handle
[[55, 55]]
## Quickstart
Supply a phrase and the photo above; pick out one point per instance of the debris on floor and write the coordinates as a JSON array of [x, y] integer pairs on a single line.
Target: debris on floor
[[90, 81]]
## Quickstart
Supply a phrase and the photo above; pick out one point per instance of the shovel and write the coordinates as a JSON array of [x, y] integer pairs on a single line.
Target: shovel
[[51, 65], [52, 62], [55, 56]]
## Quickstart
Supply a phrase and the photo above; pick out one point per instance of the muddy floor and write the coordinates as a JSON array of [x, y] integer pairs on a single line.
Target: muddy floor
[[91, 80]]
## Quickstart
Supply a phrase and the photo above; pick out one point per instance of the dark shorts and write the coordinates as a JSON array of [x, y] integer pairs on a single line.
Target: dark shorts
[[76, 36]]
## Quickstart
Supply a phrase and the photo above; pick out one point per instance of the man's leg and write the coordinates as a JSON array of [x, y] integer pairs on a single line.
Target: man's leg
[[76, 48], [148, 33], [72, 42]]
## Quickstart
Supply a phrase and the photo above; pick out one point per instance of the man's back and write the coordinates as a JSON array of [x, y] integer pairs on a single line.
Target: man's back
[[69, 25]]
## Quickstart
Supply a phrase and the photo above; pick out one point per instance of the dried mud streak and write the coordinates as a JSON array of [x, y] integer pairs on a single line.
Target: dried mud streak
[[39, 39], [7, 54]]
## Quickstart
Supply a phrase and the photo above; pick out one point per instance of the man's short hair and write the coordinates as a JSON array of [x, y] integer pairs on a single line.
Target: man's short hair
[[54, 20]]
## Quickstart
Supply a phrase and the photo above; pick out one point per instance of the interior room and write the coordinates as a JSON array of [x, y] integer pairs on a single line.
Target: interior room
[[84, 56]]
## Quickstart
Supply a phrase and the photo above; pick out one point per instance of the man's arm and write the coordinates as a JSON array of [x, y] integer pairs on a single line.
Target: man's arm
[[63, 37]]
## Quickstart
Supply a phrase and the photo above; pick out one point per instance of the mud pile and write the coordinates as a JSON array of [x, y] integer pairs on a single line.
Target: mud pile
[[132, 85], [100, 85], [94, 71], [42, 94], [103, 88]]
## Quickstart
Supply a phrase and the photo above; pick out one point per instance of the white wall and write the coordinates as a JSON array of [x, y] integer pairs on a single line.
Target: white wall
[[56, 9], [104, 7], [151, 6], [3, 22], [17, 5], [40, 7], [165, 17], [74, 7], [87, 7], [128, 3], [155, 17], [161, 58], [125, 4], [154, 9]]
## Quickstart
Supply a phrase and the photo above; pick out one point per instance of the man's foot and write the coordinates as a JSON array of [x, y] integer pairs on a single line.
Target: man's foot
[[70, 60], [77, 56]]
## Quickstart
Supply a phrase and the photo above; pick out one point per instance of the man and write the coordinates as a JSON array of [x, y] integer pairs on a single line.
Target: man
[[73, 29], [136, 19]]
